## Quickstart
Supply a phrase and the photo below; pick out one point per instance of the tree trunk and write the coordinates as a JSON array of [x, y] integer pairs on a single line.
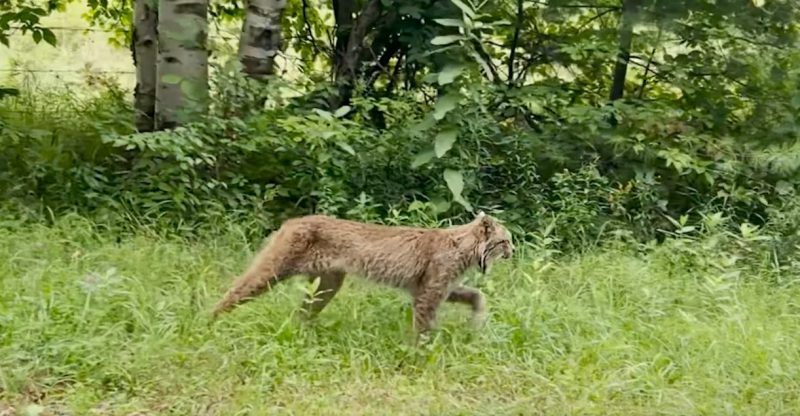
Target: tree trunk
[[623, 56], [261, 40], [182, 93], [346, 68], [515, 42], [343, 11], [144, 48]]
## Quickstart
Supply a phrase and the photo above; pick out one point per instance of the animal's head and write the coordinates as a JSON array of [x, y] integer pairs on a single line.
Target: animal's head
[[494, 241]]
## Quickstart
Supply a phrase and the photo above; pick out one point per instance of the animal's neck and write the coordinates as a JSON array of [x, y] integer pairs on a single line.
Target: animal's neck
[[467, 248]]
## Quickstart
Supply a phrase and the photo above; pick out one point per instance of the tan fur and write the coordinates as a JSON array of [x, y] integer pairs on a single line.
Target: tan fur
[[428, 263]]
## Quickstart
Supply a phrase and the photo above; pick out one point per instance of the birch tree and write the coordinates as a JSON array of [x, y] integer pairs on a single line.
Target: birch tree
[[182, 93], [261, 39], [145, 50]]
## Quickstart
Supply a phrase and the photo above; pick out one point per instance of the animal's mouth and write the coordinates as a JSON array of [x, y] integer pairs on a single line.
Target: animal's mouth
[[483, 260]]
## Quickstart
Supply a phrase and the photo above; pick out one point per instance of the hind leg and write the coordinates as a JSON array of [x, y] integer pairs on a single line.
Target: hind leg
[[329, 285]]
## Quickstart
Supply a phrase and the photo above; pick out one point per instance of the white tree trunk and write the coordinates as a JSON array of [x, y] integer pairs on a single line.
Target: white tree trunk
[[182, 93], [145, 44], [260, 41]]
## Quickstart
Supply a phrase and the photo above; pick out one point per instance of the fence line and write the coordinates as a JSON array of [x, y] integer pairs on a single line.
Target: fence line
[[69, 29], [56, 72], [99, 30], [74, 71], [16, 29]]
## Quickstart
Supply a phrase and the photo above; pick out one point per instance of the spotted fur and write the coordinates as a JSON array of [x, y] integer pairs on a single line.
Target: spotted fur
[[429, 263]]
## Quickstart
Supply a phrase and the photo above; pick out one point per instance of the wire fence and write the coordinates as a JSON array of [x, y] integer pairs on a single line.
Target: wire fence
[[81, 57], [36, 61]]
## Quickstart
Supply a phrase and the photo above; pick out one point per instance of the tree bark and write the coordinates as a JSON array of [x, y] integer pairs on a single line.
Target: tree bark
[[144, 48], [343, 11], [346, 69], [514, 42], [261, 39], [623, 56], [182, 93]]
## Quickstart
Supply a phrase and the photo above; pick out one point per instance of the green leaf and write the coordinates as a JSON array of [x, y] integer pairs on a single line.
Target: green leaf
[[8, 92], [483, 63], [49, 36], [464, 8], [342, 111], [324, 114], [346, 147], [193, 90], [795, 102], [37, 36], [171, 79], [430, 77], [784, 188], [449, 73], [464, 203], [422, 158], [455, 182], [427, 122], [449, 22], [444, 105], [445, 140], [441, 204], [439, 50], [446, 39]]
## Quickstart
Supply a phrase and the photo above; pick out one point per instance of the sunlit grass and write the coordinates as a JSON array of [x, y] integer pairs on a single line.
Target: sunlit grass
[[92, 321]]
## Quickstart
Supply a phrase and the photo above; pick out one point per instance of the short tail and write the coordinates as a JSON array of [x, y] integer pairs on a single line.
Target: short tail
[[231, 298], [265, 272]]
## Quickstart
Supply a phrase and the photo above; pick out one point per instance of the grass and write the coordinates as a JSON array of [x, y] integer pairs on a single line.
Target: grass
[[92, 322]]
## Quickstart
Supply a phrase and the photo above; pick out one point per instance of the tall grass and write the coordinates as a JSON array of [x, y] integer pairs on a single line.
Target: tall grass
[[95, 322]]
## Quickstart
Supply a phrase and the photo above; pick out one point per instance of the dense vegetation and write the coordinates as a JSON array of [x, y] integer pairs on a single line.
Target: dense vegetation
[[705, 326], [644, 153], [520, 112]]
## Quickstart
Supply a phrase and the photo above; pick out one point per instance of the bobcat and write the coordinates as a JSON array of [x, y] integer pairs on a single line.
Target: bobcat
[[428, 263]]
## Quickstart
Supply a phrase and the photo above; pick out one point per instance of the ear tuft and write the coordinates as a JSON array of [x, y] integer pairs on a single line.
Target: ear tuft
[[485, 222]]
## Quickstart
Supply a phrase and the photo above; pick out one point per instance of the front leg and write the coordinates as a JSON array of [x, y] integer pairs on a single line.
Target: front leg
[[427, 300], [472, 297]]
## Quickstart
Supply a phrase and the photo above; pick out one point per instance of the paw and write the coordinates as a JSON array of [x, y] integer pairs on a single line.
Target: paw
[[479, 314]]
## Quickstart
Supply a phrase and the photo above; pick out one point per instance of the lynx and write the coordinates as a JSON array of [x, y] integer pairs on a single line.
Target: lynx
[[427, 262]]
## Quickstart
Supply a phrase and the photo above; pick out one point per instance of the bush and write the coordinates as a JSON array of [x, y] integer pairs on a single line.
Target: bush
[[260, 156]]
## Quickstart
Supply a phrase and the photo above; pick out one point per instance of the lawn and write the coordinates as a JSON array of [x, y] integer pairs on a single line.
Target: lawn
[[97, 322]]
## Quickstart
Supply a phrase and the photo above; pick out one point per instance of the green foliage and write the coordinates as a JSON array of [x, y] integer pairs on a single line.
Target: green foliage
[[24, 17], [459, 106]]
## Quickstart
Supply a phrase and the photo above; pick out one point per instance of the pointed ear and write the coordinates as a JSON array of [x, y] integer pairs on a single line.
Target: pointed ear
[[484, 222]]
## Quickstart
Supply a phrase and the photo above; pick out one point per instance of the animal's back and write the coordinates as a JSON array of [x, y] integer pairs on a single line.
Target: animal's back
[[390, 254]]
